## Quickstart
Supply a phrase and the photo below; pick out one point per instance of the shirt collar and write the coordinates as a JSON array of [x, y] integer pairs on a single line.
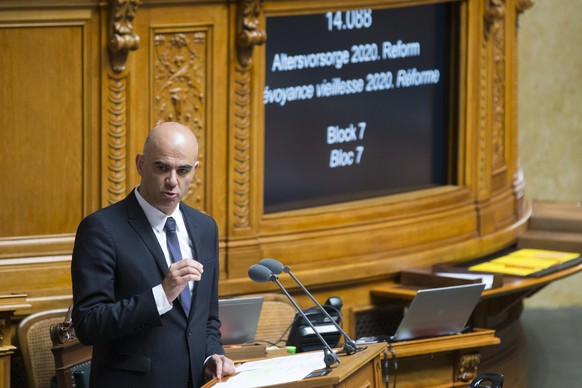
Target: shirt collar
[[157, 218]]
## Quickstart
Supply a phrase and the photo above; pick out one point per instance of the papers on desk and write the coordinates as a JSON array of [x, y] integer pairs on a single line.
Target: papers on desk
[[484, 278], [529, 262], [270, 371]]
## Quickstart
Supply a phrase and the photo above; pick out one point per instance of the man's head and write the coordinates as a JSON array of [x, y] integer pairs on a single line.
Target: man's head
[[167, 165]]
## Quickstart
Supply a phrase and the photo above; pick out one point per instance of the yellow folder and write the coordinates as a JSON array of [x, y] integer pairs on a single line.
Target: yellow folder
[[524, 262]]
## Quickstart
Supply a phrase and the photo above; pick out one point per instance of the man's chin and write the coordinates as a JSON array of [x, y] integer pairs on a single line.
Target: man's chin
[[168, 206]]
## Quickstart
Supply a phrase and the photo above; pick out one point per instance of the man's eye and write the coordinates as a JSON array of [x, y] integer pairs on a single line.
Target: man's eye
[[162, 168], [183, 171]]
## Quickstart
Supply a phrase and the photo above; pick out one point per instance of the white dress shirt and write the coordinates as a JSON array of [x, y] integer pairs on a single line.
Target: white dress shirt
[[157, 220]]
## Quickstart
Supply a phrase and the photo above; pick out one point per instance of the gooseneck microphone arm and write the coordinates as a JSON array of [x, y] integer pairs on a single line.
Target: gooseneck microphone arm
[[261, 274], [276, 267]]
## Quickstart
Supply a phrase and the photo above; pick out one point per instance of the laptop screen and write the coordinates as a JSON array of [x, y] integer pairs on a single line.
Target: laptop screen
[[239, 318], [439, 311]]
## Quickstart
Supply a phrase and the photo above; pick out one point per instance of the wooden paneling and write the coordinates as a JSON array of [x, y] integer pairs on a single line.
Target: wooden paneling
[[46, 129], [42, 122], [76, 108], [49, 77]]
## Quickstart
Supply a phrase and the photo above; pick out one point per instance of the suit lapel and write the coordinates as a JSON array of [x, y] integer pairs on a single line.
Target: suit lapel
[[142, 227]]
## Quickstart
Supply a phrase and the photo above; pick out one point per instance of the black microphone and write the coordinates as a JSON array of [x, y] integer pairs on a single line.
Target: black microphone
[[276, 267], [261, 274]]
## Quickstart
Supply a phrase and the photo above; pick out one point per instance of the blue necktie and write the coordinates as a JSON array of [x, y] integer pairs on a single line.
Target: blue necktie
[[176, 255]]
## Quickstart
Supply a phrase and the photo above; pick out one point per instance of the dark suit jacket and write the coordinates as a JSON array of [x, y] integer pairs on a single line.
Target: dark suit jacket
[[116, 262]]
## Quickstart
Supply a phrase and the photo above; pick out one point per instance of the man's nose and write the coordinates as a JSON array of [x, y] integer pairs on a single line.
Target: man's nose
[[172, 178]]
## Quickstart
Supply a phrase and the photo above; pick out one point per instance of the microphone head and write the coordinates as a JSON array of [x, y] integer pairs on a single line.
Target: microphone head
[[275, 266], [259, 273]]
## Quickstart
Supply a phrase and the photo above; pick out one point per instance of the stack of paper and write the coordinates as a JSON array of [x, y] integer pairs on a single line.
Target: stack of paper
[[525, 262], [270, 371]]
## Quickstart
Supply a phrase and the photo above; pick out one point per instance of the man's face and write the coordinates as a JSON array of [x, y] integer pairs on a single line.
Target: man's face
[[166, 171]]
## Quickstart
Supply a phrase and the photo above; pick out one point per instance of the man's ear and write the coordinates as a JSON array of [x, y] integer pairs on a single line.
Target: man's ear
[[139, 164]]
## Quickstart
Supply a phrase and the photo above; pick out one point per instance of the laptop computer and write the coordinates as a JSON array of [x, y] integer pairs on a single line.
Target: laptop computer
[[438, 311], [239, 318]]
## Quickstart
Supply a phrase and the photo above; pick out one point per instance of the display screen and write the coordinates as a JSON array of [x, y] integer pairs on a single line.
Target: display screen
[[357, 104]]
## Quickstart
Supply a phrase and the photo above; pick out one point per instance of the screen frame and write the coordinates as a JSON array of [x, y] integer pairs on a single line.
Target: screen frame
[[379, 206]]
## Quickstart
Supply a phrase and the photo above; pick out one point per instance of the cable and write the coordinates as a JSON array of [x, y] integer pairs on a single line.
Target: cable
[[287, 329], [276, 343], [386, 374], [296, 318], [394, 361]]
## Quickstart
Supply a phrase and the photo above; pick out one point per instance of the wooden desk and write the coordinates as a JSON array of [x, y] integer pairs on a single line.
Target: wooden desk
[[499, 309], [511, 285], [449, 361], [362, 369], [497, 305]]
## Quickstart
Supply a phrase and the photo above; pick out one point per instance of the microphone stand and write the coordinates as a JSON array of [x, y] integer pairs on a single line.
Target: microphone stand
[[329, 356], [350, 346]]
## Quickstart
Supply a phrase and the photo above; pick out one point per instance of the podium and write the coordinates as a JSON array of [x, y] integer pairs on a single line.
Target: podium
[[448, 361], [362, 369]]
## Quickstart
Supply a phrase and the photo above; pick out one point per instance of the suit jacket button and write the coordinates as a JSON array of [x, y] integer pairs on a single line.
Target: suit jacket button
[[189, 333]]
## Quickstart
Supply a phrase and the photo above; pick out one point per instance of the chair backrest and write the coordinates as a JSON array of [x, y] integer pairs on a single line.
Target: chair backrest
[[35, 345], [275, 320], [72, 359]]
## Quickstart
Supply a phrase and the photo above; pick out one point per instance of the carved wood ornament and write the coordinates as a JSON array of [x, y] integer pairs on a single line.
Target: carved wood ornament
[[248, 32], [242, 150], [116, 138], [499, 85], [248, 35], [180, 79], [495, 12], [63, 332], [121, 36], [523, 5], [494, 32], [468, 365]]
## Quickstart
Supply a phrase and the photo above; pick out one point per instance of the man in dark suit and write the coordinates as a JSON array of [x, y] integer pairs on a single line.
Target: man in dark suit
[[129, 281]]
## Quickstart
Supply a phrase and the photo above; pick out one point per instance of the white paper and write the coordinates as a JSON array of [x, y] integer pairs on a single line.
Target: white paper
[[485, 278], [278, 370]]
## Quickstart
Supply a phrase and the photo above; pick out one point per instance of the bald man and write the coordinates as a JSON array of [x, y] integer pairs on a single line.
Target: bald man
[[145, 277]]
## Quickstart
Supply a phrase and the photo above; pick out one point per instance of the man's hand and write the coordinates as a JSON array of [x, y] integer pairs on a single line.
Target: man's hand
[[178, 276], [218, 366]]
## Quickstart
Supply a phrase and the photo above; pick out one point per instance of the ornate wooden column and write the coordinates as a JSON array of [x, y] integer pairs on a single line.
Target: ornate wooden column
[[121, 40], [245, 106]]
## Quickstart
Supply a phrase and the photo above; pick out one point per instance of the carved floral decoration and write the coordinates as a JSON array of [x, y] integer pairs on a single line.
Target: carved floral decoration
[[180, 74]]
